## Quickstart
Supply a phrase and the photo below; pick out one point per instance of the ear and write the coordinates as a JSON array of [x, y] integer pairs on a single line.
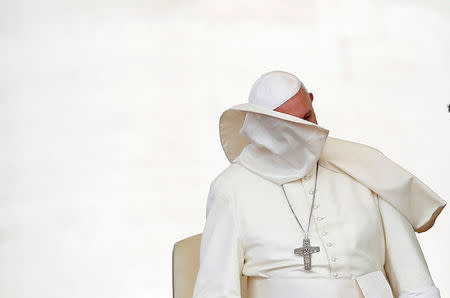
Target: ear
[[311, 96]]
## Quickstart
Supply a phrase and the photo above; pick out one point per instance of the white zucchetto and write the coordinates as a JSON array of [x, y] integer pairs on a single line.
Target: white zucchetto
[[272, 89]]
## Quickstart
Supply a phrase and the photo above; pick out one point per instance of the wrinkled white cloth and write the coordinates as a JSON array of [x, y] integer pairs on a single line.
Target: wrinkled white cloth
[[366, 212], [280, 150], [250, 230]]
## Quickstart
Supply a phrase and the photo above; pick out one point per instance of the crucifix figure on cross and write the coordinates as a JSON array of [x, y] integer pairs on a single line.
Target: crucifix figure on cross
[[306, 251]]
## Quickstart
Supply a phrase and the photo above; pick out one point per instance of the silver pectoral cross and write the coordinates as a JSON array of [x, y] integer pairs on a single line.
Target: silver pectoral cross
[[306, 251]]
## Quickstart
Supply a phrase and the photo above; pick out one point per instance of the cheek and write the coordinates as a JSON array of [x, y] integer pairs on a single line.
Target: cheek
[[301, 107]]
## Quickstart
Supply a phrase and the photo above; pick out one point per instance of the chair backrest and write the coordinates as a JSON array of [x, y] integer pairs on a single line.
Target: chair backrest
[[185, 264]]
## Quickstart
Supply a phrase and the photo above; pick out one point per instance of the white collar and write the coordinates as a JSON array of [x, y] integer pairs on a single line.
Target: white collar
[[279, 150]]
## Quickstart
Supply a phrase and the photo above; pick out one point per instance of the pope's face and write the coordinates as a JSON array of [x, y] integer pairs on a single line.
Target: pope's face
[[299, 105]]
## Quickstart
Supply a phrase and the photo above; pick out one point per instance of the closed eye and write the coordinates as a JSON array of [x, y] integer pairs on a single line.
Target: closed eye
[[308, 114]]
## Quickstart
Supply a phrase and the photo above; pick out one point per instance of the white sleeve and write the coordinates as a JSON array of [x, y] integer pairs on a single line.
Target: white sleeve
[[221, 251], [405, 264]]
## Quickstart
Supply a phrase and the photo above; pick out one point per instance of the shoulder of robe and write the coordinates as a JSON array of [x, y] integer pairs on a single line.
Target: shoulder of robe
[[226, 183], [233, 177], [391, 182]]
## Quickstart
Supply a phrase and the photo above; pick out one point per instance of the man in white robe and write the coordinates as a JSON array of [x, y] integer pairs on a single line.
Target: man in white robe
[[366, 208]]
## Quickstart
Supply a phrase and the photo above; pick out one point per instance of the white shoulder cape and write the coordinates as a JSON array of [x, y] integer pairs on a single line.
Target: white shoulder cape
[[369, 166]]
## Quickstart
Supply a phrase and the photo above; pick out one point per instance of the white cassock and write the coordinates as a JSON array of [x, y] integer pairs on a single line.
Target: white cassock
[[365, 217]]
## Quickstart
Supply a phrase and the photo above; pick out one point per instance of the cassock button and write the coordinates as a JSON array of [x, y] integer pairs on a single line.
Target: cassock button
[[333, 259], [329, 244], [324, 233], [311, 191], [319, 218], [316, 206]]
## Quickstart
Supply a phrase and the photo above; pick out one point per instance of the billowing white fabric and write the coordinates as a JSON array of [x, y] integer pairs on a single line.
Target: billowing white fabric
[[365, 216], [278, 149], [273, 88], [250, 230], [404, 255]]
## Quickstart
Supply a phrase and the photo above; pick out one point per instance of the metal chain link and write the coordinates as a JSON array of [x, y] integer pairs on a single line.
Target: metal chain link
[[312, 203]]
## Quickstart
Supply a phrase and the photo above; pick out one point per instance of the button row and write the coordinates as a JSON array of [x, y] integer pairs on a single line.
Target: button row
[[324, 233]]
